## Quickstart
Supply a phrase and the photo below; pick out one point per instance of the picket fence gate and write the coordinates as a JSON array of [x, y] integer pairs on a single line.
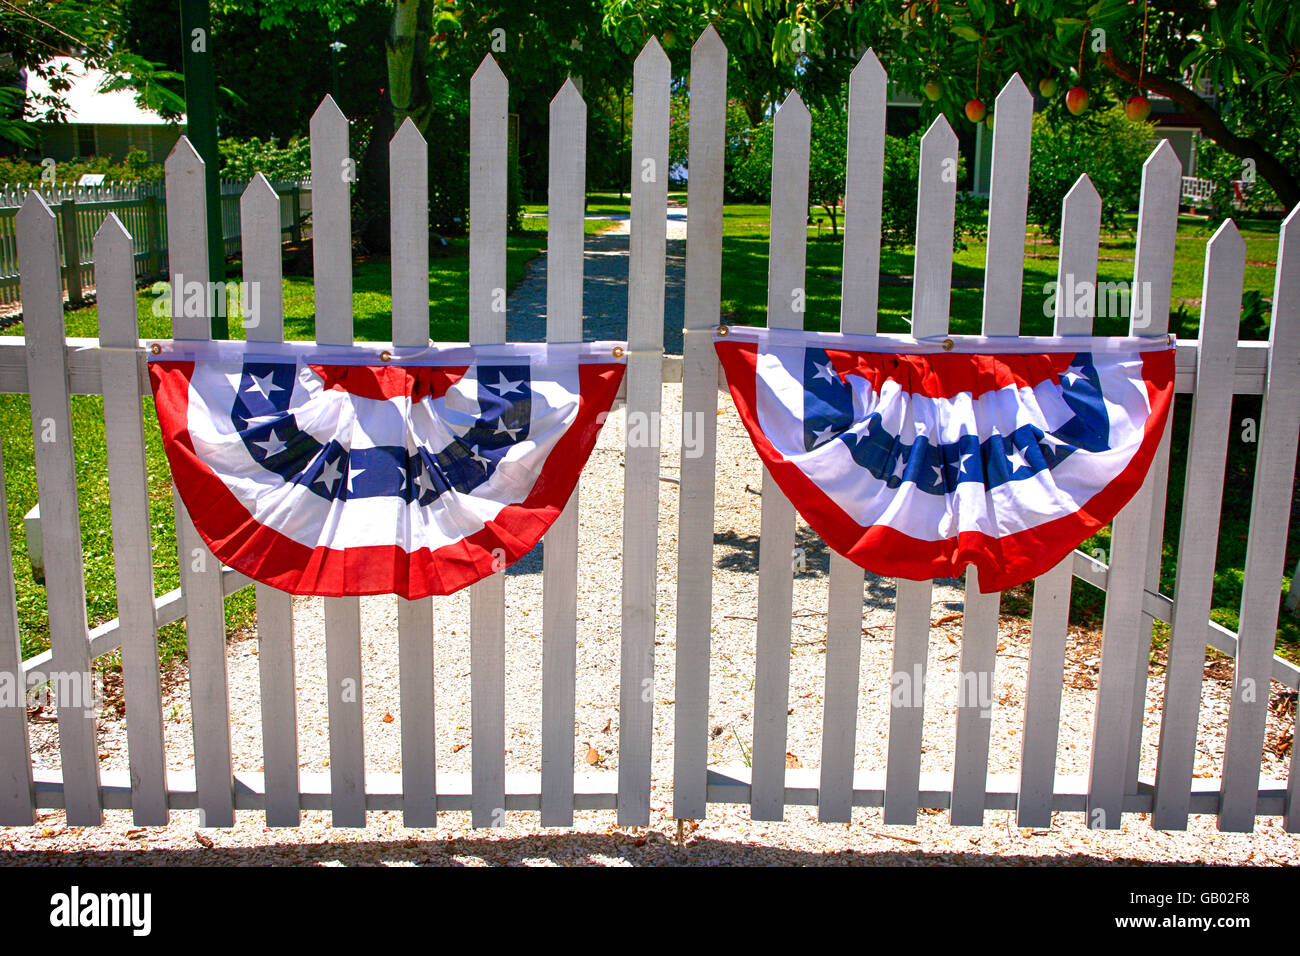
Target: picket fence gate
[[142, 207], [1215, 367]]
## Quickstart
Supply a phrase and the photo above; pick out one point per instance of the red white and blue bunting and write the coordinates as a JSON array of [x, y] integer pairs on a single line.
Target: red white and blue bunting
[[916, 458], [353, 470]]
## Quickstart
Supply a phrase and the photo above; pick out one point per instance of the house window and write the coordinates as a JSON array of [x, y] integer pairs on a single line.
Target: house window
[[85, 140]]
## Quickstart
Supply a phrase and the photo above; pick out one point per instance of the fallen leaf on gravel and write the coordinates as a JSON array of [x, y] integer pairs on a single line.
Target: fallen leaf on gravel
[[204, 839], [458, 748], [609, 723], [792, 762], [135, 834], [388, 718], [593, 757]]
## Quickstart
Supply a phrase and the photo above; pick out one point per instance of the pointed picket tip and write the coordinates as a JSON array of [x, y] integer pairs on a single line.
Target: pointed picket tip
[[940, 135], [792, 105], [1082, 193], [407, 136], [34, 210], [259, 189], [1227, 240], [327, 115], [1014, 93], [1288, 242], [1292, 219], [111, 230], [1163, 159], [708, 42], [869, 66], [488, 68], [652, 53], [182, 157], [567, 93]]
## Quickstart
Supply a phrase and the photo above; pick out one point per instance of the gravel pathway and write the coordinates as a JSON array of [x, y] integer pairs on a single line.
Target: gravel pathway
[[604, 290], [727, 835]]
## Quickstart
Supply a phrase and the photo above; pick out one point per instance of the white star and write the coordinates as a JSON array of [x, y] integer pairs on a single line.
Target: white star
[[961, 465], [1072, 375], [263, 385], [1017, 458], [504, 386], [938, 474], [501, 428], [823, 435], [900, 466], [329, 475], [352, 475], [478, 457], [424, 481], [272, 446], [824, 371]]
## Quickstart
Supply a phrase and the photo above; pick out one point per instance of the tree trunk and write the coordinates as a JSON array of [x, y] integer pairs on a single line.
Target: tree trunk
[[408, 88], [1266, 164]]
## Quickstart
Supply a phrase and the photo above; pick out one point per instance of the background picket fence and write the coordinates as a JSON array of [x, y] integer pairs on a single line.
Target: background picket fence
[[1214, 368], [141, 207]]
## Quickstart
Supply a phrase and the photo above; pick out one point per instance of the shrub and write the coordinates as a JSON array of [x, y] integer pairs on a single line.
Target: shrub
[[1108, 146], [898, 210], [245, 158], [136, 167], [751, 179]]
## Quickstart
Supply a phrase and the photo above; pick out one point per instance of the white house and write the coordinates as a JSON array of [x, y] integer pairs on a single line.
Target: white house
[[99, 123]]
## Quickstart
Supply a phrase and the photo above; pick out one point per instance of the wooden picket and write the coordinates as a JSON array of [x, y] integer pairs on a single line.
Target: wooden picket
[[408, 178], [1216, 359], [259, 212], [695, 521], [1050, 616], [1213, 369], [862, 211], [936, 205], [201, 576], [647, 245], [132, 550], [1270, 511], [488, 95], [1003, 273], [1124, 648], [564, 238]]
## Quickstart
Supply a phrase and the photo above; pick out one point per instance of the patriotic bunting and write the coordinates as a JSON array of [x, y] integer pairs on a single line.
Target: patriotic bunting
[[915, 459], [350, 470]]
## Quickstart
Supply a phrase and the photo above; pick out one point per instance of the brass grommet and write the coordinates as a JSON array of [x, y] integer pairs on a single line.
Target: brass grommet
[[723, 331], [156, 349], [948, 345], [619, 351], [385, 356]]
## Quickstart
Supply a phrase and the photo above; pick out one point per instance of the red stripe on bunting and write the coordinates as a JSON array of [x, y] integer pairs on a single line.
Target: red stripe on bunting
[[266, 555], [1001, 562], [382, 382], [947, 374]]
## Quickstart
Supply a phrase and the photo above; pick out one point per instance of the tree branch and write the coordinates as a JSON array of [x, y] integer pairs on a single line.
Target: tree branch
[[1266, 164]]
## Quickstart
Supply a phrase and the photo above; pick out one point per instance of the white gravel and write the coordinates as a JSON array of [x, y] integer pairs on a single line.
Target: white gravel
[[727, 835]]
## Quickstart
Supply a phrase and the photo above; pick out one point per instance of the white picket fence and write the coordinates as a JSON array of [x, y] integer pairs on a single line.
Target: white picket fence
[[1214, 367]]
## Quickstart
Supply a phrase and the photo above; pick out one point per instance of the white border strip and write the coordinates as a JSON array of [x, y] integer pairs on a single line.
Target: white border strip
[[907, 344], [379, 353]]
